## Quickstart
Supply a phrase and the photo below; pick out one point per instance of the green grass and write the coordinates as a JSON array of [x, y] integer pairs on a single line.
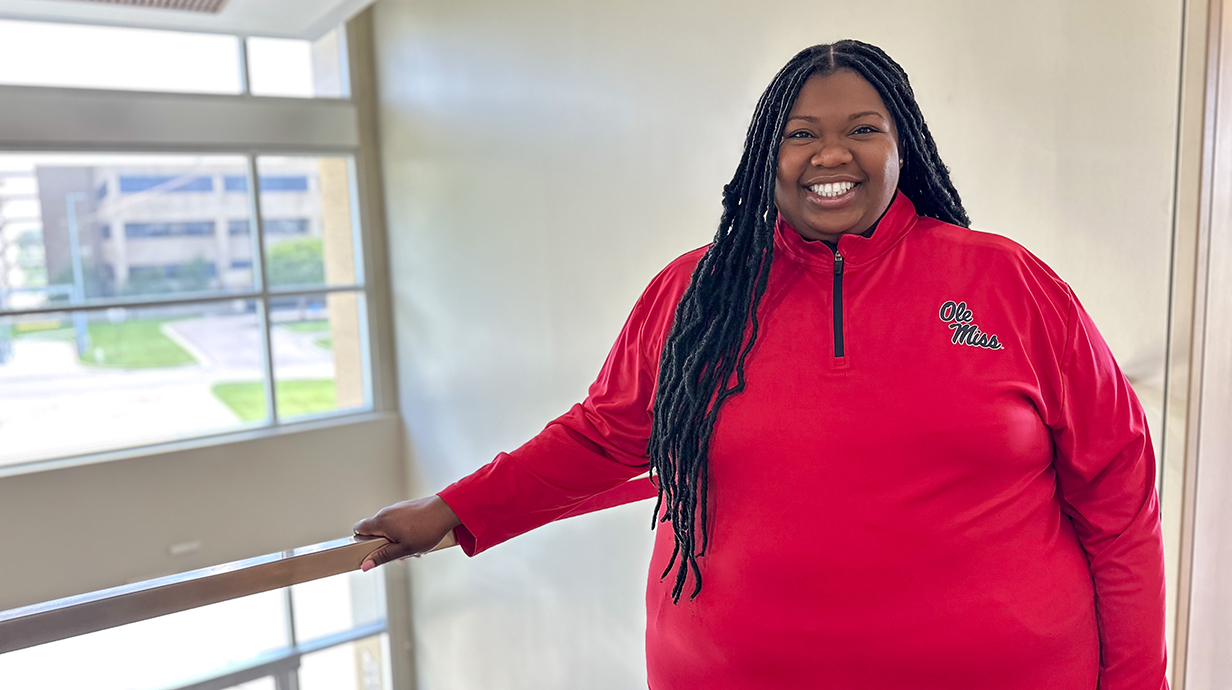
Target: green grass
[[307, 326], [295, 398], [327, 343], [135, 344]]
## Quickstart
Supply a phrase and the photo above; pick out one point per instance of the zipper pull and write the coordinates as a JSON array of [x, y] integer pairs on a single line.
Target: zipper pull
[[838, 264]]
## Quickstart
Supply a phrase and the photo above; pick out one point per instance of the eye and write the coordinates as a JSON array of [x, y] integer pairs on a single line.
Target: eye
[[799, 134], [865, 129]]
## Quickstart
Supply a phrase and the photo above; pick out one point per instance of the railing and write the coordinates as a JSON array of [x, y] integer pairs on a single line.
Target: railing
[[86, 613]]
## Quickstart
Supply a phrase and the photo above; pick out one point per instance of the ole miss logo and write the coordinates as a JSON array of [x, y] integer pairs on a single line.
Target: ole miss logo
[[965, 331]]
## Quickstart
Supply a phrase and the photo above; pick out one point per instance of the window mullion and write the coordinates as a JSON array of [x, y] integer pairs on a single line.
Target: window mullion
[[245, 72], [288, 611], [259, 277]]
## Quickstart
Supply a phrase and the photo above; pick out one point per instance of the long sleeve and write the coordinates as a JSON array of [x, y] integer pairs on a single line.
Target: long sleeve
[[585, 458], [1106, 472]]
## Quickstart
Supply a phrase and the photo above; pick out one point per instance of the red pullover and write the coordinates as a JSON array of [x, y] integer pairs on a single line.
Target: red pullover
[[936, 477]]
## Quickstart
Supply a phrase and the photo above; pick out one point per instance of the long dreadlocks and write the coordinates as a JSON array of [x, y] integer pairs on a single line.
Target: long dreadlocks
[[716, 320]]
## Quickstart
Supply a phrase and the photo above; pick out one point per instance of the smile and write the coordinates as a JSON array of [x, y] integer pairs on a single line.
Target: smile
[[832, 195], [832, 189]]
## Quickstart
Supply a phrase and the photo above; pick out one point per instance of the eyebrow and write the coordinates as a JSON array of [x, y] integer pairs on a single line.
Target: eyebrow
[[855, 116]]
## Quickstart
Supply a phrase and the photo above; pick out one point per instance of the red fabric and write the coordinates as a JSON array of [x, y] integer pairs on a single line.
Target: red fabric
[[918, 513]]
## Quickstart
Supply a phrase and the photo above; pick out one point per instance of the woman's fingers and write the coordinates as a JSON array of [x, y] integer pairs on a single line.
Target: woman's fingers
[[385, 554], [412, 527]]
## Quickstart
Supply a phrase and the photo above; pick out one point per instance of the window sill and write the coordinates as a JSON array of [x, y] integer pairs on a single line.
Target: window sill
[[197, 442]]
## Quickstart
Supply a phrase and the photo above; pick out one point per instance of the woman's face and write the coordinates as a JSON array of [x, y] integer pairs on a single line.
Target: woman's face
[[839, 160]]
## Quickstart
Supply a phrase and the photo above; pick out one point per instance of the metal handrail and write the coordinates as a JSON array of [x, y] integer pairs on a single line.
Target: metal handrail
[[59, 619], [49, 621]]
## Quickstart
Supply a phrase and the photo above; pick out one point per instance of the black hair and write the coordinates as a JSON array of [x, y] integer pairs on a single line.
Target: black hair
[[716, 321]]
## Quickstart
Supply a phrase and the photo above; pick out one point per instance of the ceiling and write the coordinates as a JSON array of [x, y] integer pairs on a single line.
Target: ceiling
[[307, 19]]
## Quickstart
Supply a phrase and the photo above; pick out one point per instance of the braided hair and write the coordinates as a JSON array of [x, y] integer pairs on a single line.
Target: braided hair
[[716, 320]]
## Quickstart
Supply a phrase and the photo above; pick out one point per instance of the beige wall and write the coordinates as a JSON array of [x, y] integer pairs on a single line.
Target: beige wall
[[79, 529], [543, 159]]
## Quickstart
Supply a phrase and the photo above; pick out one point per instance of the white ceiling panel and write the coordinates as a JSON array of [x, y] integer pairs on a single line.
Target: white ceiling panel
[[277, 18]]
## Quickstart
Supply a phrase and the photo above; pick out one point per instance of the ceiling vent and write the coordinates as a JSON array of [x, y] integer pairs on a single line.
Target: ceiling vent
[[210, 6], [302, 19]]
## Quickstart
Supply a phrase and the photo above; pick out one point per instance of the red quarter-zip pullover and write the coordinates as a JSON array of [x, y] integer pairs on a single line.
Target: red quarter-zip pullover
[[936, 477]]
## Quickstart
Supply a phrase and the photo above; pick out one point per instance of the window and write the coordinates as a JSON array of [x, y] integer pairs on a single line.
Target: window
[[239, 183], [286, 226], [104, 57], [137, 230], [297, 69], [327, 634], [241, 344], [107, 57], [273, 226], [133, 184], [284, 183], [152, 291]]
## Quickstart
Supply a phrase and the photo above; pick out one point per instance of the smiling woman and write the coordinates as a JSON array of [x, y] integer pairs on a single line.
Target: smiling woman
[[856, 489]]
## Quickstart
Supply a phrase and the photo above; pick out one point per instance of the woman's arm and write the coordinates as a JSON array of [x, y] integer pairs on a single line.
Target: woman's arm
[[581, 461], [1106, 472]]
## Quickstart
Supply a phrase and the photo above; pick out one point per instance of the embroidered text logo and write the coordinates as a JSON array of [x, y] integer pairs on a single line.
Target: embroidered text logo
[[959, 318]]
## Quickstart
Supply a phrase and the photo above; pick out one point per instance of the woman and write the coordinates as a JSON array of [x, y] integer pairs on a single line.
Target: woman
[[892, 452]]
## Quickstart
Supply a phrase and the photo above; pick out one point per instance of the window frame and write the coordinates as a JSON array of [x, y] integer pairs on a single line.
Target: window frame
[[152, 122]]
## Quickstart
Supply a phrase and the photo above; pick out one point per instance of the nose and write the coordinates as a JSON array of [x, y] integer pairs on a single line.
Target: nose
[[831, 155]]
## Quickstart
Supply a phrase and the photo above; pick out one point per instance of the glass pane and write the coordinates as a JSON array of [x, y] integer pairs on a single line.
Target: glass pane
[[306, 210], [82, 227], [318, 354], [162, 652], [336, 604], [297, 69], [359, 665], [104, 57], [77, 382]]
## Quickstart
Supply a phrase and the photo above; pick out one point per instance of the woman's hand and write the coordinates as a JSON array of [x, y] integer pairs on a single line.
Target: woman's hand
[[413, 527]]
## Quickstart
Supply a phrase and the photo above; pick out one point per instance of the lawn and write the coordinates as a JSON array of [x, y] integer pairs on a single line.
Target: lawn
[[133, 344], [295, 398], [136, 344]]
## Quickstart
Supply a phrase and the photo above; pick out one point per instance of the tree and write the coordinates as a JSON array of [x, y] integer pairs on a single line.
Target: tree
[[297, 262]]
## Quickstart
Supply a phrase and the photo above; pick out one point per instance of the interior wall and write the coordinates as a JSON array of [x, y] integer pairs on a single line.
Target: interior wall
[[89, 527], [544, 159]]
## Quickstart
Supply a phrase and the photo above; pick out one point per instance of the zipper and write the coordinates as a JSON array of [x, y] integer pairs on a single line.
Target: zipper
[[839, 348]]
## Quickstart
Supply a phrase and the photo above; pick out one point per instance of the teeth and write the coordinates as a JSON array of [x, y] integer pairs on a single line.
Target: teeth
[[832, 188]]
